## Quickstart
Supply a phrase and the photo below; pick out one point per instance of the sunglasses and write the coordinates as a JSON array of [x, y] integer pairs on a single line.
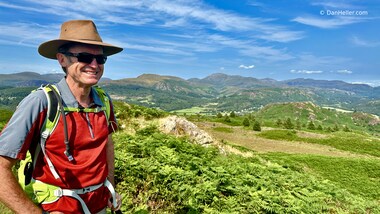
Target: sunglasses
[[88, 58]]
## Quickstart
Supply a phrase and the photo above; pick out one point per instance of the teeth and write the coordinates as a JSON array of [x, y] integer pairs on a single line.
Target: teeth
[[90, 72]]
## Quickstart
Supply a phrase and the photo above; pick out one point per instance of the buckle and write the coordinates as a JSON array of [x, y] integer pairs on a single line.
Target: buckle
[[58, 192], [86, 190]]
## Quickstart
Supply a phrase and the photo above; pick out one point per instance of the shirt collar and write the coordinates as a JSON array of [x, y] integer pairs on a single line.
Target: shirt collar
[[69, 99]]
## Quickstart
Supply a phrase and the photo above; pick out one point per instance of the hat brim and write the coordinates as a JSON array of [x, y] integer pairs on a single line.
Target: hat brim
[[50, 48]]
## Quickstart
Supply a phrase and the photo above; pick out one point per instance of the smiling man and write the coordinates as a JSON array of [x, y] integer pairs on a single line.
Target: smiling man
[[72, 156]]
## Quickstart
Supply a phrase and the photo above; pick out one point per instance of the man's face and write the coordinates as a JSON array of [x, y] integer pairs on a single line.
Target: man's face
[[84, 74]]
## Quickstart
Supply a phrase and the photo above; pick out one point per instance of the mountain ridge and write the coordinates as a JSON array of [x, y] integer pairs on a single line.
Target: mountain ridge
[[213, 78], [222, 92]]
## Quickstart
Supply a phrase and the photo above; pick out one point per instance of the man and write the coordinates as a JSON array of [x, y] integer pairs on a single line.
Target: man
[[85, 166]]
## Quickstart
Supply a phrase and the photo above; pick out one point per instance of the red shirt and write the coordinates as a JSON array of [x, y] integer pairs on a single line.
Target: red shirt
[[88, 138]]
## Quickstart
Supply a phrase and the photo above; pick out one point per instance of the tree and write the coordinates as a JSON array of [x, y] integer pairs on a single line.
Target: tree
[[219, 115], [336, 128], [227, 119], [279, 122], [320, 127], [346, 129], [246, 122], [256, 126], [288, 124], [232, 114], [311, 125]]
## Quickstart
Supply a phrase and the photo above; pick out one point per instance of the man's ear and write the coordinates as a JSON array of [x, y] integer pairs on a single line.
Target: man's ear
[[62, 59]]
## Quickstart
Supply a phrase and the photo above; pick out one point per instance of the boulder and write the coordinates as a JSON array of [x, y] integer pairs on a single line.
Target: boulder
[[180, 126]]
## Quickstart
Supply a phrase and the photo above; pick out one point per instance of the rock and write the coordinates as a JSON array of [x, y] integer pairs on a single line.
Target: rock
[[181, 127]]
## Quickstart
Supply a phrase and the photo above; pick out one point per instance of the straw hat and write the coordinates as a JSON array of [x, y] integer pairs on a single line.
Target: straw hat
[[82, 31]]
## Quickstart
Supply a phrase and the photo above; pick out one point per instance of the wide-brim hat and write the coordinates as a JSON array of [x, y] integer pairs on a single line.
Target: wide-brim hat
[[80, 31]]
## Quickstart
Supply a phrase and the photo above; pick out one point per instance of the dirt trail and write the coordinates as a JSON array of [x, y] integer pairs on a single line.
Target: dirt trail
[[249, 140]]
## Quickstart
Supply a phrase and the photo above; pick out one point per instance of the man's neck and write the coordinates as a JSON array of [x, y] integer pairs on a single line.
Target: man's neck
[[81, 93]]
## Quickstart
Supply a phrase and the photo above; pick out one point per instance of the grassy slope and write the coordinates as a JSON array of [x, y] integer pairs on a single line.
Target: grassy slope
[[348, 159], [174, 176], [158, 173]]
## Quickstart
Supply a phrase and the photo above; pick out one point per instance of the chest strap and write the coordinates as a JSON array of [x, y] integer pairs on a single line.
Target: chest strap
[[49, 193]]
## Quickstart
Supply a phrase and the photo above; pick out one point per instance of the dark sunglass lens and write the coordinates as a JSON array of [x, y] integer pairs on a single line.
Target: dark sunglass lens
[[100, 59], [87, 58]]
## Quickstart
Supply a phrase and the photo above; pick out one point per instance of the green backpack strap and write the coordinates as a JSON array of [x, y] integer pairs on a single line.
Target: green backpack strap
[[105, 100], [27, 165]]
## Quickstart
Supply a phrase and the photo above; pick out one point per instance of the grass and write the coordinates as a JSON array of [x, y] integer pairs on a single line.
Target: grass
[[190, 111], [346, 141], [359, 176], [160, 174], [223, 129]]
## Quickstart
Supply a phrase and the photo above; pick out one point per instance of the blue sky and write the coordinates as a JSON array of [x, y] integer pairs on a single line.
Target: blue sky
[[278, 39]]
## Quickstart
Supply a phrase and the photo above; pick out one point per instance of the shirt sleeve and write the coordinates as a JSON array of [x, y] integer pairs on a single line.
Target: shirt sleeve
[[24, 126]]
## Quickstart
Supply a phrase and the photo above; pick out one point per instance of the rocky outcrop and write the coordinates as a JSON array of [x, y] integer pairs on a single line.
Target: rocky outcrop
[[181, 127]]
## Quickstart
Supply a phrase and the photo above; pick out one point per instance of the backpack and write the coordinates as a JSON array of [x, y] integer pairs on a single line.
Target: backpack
[[54, 111]]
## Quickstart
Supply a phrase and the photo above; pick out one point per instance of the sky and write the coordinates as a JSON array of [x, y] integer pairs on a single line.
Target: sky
[[277, 39]]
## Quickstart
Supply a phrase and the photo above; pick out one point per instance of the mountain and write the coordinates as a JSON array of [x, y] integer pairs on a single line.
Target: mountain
[[221, 81], [159, 83], [32, 79], [25, 79], [331, 84], [221, 92], [165, 92]]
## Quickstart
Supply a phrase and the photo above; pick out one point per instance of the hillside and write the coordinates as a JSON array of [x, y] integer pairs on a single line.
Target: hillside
[[305, 112], [27, 79], [161, 173], [169, 174], [237, 93], [166, 174], [218, 92]]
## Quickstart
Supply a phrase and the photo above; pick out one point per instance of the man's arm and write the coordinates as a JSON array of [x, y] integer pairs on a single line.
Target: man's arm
[[111, 171], [11, 193], [111, 160]]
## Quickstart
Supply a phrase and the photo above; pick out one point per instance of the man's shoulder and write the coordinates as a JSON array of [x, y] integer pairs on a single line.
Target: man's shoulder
[[37, 96]]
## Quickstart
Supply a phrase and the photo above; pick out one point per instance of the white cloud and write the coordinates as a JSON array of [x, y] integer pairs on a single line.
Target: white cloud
[[188, 14], [344, 71], [328, 23], [334, 5], [266, 53], [364, 43], [247, 66], [282, 35], [306, 71], [26, 34]]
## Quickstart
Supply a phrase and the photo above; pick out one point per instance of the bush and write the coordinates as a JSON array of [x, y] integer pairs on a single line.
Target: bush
[[157, 173], [246, 122], [256, 126]]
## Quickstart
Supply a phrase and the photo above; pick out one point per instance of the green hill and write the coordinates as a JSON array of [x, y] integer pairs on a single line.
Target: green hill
[[159, 173], [306, 112]]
